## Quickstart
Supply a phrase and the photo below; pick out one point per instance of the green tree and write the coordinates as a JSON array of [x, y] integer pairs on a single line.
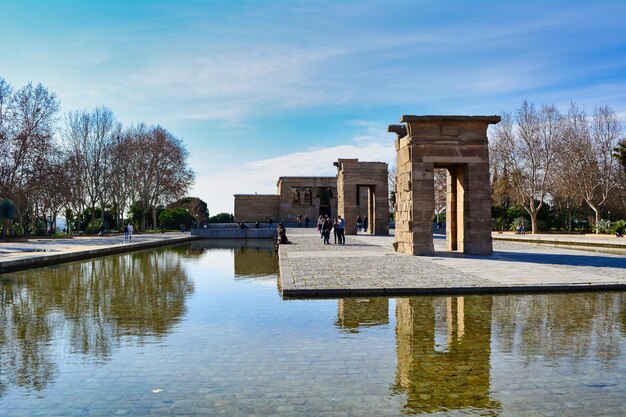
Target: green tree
[[7, 214], [174, 217], [221, 218]]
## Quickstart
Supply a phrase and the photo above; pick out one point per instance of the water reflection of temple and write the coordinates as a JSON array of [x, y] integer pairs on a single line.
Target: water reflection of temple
[[255, 258], [354, 313], [443, 349]]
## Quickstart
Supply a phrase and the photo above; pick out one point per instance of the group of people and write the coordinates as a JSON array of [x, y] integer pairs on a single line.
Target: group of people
[[325, 225], [299, 219]]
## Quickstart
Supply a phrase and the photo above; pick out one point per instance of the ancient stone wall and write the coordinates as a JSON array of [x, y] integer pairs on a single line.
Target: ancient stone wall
[[256, 207], [307, 196]]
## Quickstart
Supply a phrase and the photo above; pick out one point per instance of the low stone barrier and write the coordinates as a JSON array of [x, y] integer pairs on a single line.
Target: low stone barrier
[[234, 233]]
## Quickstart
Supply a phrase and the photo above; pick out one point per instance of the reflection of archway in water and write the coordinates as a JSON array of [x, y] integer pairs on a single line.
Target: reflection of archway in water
[[444, 353], [356, 313], [90, 306]]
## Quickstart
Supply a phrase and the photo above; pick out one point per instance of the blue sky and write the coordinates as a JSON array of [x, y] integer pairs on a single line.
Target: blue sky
[[259, 89]]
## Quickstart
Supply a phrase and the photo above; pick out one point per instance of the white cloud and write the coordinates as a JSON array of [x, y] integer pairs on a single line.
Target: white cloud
[[261, 176]]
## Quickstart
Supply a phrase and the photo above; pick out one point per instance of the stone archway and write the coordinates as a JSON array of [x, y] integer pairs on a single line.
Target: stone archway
[[459, 144], [353, 175]]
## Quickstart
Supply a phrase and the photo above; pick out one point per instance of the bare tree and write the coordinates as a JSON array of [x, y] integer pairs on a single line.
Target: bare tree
[[159, 165], [76, 136], [619, 153], [102, 127], [53, 195], [391, 186], [441, 192], [121, 174], [27, 124], [528, 148], [587, 156]]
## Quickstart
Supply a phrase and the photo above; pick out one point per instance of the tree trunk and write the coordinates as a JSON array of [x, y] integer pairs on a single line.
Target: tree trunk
[[92, 222], [569, 218], [596, 211], [154, 218], [533, 221]]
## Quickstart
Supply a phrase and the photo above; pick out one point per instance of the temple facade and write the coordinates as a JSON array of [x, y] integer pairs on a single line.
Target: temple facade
[[305, 196]]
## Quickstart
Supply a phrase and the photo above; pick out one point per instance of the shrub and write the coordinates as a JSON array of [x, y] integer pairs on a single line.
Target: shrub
[[603, 226], [520, 220], [619, 227]]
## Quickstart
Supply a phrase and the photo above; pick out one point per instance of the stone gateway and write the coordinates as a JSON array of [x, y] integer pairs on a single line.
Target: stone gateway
[[458, 144]]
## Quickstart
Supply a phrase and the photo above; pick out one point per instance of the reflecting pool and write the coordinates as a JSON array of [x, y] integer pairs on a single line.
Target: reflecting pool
[[201, 329]]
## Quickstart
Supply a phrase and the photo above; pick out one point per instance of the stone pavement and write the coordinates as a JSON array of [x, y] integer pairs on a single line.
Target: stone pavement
[[37, 252], [367, 265]]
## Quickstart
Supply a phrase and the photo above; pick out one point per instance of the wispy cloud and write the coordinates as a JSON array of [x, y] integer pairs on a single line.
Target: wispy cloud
[[261, 176]]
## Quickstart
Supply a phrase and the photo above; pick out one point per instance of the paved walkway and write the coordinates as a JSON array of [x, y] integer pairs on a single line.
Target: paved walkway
[[367, 265], [41, 251]]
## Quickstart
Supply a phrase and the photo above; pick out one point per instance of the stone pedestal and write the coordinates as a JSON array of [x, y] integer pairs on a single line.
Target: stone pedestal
[[459, 144]]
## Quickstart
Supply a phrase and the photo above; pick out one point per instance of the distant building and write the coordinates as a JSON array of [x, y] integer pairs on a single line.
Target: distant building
[[305, 196]]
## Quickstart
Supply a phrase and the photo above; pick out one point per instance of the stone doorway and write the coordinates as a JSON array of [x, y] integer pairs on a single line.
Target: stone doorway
[[458, 144], [325, 196], [354, 178]]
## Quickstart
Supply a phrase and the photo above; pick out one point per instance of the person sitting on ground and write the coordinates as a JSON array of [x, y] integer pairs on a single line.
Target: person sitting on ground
[[281, 231]]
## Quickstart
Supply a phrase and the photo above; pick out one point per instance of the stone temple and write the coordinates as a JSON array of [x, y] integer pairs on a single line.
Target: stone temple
[[423, 143], [306, 196], [360, 189]]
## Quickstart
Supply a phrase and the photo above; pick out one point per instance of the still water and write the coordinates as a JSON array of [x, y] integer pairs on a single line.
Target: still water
[[197, 329]]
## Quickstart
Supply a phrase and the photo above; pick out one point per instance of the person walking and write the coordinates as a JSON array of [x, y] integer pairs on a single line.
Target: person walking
[[126, 233], [336, 230], [130, 231], [299, 220], [320, 223], [306, 221], [359, 223], [365, 229]]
